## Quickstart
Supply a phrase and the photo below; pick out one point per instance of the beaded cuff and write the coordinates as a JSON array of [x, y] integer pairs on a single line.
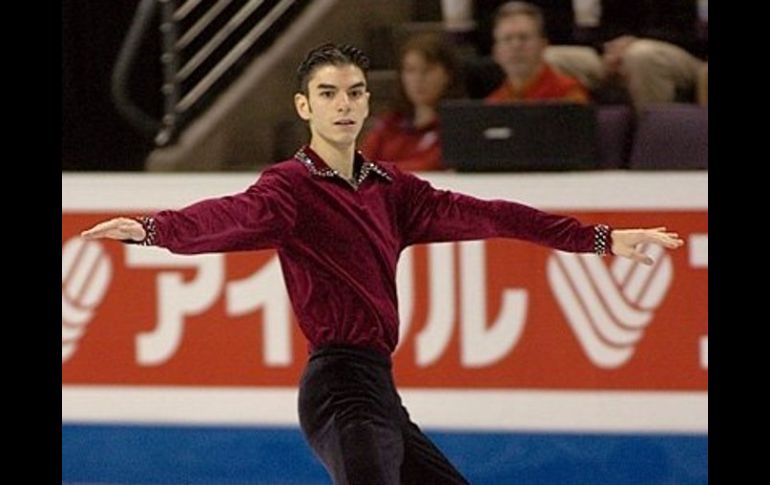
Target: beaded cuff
[[602, 239]]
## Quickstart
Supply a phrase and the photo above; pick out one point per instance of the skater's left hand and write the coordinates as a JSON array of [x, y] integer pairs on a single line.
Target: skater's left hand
[[625, 242]]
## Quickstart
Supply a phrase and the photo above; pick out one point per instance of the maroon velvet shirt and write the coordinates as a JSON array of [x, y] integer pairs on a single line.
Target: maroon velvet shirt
[[339, 241]]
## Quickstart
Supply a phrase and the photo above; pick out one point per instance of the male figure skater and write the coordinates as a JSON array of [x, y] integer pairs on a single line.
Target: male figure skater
[[339, 223]]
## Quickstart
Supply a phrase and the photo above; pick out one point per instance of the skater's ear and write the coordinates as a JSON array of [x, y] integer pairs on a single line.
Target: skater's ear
[[302, 105]]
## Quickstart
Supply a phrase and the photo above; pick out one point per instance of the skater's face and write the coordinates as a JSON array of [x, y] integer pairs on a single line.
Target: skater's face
[[336, 104]]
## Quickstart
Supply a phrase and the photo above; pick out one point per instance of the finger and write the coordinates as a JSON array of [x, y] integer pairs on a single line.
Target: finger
[[673, 242], [641, 258], [97, 233], [663, 239], [103, 229], [107, 224], [668, 242]]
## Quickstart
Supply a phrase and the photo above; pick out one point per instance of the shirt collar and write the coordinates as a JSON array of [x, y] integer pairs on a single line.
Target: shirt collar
[[318, 168]]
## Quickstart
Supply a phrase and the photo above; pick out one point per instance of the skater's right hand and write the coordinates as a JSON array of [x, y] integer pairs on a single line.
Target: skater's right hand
[[121, 228]]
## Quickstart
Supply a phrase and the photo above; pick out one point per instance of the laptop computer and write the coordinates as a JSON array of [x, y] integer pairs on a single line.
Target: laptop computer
[[532, 136]]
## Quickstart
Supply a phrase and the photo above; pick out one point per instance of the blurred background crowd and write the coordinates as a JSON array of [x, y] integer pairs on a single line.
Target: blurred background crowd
[[207, 85]]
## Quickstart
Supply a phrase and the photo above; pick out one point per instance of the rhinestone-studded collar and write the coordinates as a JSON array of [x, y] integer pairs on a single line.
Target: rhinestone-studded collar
[[304, 156]]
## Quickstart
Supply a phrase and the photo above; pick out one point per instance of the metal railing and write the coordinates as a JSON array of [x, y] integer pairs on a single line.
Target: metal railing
[[205, 46]]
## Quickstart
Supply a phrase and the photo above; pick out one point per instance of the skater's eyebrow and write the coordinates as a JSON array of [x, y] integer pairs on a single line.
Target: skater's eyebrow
[[332, 86]]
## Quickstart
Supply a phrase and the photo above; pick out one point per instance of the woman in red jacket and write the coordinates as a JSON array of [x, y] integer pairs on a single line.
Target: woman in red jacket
[[409, 134]]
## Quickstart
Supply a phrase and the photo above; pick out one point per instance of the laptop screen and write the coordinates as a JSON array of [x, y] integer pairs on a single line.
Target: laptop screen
[[531, 136]]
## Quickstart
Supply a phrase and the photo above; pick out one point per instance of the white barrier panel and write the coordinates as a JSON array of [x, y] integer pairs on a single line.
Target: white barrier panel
[[554, 342]]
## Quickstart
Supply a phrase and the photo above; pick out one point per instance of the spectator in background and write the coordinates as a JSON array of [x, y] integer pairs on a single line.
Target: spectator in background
[[651, 50], [672, 21], [651, 71], [409, 135], [519, 45], [633, 71], [558, 21]]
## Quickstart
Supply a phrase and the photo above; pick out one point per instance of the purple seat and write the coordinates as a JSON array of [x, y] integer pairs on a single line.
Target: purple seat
[[671, 137], [614, 130]]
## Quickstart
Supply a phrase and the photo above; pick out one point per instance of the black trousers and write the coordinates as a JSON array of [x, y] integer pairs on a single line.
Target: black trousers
[[353, 419]]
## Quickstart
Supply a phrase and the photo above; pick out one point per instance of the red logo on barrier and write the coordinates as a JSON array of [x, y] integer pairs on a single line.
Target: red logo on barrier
[[480, 314], [609, 308], [86, 271]]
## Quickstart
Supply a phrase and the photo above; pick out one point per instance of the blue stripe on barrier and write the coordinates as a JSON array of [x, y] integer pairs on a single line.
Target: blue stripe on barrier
[[279, 456]]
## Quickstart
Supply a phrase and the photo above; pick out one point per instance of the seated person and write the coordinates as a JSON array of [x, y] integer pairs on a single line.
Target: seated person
[[651, 71], [633, 71], [409, 134], [519, 45]]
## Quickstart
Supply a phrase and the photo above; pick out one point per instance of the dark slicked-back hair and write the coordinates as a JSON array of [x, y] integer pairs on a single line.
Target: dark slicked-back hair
[[334, 54]]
